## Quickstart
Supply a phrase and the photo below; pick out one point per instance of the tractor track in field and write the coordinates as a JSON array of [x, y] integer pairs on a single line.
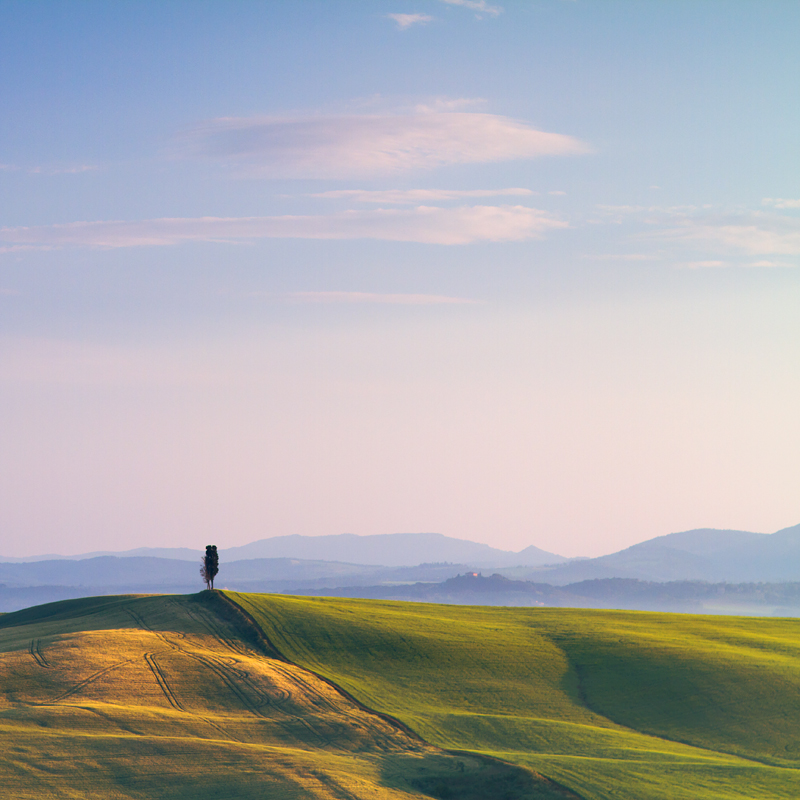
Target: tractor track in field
[[229, 677], [226, 734], [158, 673], [158, 634], [216, 631], [227, 672], [223, 672], [38, 656], [91, 679], [139, 620], [216, 665], [278, 655], [237, 679], [162, 681]]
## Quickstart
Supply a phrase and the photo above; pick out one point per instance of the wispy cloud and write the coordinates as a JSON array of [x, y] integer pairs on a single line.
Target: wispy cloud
[[18, 248], [75, 169], [370, 297], [769, 263], [715, 264], [425, 224], [752, 234], [476, 5], [781, 202], [51, 170], [412, 196], [707, 236], [447, 104], [368, 145], [622, 257], [405, 21], [705, 264]]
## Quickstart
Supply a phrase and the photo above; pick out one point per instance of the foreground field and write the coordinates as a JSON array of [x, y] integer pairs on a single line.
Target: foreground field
[[633, 705], [173, 697]]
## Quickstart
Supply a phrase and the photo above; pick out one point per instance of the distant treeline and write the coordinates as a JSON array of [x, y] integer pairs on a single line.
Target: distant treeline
[[624, 593], [473, 588]]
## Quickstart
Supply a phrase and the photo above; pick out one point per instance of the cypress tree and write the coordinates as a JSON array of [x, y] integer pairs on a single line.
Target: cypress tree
[[210, 565]]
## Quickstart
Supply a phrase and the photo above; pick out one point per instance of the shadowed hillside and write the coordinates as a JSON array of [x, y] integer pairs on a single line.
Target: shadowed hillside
[[173, 697], [626, 705]]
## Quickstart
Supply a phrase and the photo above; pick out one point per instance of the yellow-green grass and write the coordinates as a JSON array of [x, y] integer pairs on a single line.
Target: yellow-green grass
[[611, 704], [173, 697]]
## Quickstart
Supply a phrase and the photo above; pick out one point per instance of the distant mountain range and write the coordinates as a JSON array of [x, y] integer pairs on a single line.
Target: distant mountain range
[[391, 565], [387, 550], [705, 554], [147, 574]]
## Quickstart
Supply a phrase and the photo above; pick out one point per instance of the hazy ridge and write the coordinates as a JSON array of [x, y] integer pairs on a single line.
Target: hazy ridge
[[749, 572]]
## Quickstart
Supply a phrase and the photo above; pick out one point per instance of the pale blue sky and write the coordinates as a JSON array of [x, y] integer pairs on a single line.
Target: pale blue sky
[[524, 273]]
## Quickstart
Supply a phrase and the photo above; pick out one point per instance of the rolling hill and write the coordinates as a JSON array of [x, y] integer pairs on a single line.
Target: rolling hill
[[630, 705], [181, 697]]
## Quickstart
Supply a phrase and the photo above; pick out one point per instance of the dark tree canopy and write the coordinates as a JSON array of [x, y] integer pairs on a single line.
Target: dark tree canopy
[[210, 565]]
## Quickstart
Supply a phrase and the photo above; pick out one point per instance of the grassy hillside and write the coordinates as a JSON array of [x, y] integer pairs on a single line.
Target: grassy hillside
[[612, 704], [176, 697]]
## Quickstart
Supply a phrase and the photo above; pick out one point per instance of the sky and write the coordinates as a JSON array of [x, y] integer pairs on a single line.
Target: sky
[[523, 273]]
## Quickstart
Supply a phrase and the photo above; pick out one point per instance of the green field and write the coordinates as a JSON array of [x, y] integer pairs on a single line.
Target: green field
[[612, 704], [173, 697], [179, 697]]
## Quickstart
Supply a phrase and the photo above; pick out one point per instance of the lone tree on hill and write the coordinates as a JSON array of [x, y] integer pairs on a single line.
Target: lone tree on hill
[[210, 565]]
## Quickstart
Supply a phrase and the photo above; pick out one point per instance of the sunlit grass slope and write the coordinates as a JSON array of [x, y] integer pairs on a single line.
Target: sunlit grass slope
[[173, 697], [612, 704]]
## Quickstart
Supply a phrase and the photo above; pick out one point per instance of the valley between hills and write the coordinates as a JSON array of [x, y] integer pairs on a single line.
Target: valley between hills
[[236, 695]]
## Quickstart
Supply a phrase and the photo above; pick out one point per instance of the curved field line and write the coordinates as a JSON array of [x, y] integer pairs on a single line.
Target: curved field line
[[222, 730], [222, 672], [38, 656], [217, 632], [392, 721], [221, 669], [138, 620], [158, 634], [161, 680], [91, 679]]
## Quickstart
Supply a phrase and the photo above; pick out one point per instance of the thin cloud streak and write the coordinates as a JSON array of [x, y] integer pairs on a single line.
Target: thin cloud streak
[[755, 234], [705, 264], [372, 297], [781, 202], [425, 224], [369, 145], [73, 170], [718, 239], [480, 6], [405, 21], [18, 248], [412, 196]]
